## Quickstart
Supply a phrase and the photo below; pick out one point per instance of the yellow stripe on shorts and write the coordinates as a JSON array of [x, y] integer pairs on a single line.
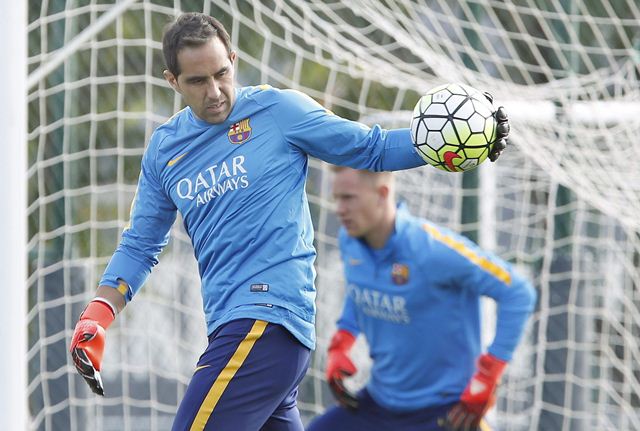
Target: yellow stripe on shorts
[[225, 376]]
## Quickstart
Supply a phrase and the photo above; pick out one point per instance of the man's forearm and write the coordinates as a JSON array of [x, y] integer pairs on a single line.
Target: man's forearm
[[112, 295]]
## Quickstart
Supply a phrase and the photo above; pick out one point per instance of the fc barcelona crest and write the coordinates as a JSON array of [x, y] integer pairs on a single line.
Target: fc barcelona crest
[[239, 132], [399, 273]]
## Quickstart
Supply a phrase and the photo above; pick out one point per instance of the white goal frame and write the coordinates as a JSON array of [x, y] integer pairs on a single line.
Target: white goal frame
[[13, 229]]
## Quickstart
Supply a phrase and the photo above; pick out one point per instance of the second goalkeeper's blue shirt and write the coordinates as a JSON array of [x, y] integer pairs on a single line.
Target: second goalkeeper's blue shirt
[[240, 189], [417, 302]]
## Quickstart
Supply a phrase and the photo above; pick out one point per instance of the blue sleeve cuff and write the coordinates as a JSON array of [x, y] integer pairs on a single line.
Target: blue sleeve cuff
[[125, 268], [400, 153]]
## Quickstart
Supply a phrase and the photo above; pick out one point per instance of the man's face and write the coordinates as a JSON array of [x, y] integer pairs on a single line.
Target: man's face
[[359, 202], [206, 80]]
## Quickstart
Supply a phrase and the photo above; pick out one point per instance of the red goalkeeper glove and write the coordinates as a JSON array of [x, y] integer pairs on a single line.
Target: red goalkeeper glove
[[339, 366], [479, 395], [87, 343]]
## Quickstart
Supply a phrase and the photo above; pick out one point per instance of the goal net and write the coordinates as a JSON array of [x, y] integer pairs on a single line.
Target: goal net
[[562, 204]]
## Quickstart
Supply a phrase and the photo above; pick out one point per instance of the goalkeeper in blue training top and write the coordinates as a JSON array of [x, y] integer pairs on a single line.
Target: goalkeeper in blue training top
[[413, 290], [234, 163]]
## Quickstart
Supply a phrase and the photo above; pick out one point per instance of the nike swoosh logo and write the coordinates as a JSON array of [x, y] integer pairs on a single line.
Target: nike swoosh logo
[[354, 262], [177, 159]]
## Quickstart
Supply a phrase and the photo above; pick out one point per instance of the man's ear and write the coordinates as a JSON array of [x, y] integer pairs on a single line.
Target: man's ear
[[233, 57], [383, 192], [171, 79]]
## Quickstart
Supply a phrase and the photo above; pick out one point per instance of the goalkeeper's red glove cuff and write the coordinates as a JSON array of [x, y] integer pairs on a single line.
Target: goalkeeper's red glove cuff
[[342, 340], [491, 367], [100, 311], [480, 392], [339, 365]]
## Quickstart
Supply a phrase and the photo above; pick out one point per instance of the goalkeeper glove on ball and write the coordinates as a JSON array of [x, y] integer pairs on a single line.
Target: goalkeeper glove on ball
[[87, 343], [502, 130], [339, 366], [479, 395]]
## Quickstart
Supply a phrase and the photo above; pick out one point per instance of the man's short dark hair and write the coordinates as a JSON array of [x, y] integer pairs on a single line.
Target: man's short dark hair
[[190, 30]]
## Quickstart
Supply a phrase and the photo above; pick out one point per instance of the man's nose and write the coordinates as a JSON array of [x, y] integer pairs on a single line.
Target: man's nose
[[213, 89]]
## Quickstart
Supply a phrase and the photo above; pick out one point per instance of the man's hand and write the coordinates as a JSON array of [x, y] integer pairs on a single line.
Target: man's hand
[[339, 366], [87, 343], [502, 130], [479, 395]]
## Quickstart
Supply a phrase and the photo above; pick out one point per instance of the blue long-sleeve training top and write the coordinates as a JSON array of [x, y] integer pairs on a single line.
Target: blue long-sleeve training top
[[240, 189], [417, 302]]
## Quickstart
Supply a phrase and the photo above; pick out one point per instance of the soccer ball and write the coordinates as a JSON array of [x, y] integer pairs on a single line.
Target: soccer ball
[[453, 127]]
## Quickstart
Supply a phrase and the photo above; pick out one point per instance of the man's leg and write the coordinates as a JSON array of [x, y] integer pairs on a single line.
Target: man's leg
[[368, 416], [249, 368], [286, 417], [371, 416]]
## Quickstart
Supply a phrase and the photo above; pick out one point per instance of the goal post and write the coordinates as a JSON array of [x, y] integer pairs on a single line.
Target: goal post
[[13, 228], [561, 204]]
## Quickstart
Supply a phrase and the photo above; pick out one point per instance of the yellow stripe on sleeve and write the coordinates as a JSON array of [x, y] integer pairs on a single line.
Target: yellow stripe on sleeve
[[225, 376], [123, 288], [484, 263]]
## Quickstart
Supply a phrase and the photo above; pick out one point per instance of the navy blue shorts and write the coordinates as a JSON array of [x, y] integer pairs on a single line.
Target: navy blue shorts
[[247, 379], [370, 416]]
